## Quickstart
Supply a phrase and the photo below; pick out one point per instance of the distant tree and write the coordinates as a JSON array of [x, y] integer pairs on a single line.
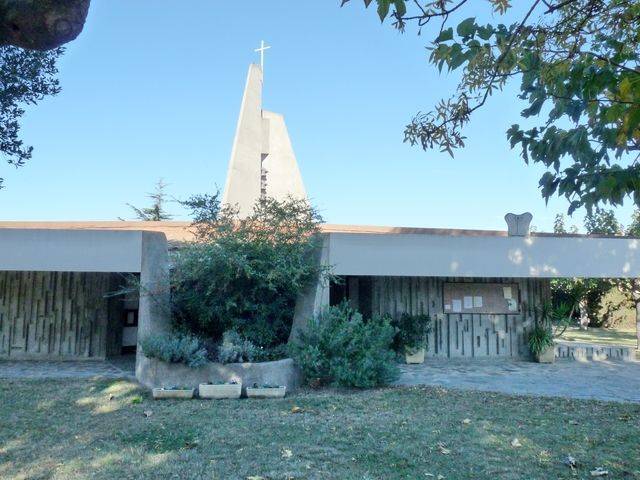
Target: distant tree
[[41, 24], [578, 64], [26, 77], [156, 212], [630, 287], [559, 225], [603, 222]]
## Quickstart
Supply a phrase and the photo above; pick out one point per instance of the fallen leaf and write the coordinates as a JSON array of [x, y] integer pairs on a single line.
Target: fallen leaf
[[440, 477], [147, 413], [429, 475], [515, 443], [443, 449], [573, 422], [296, 409], [599, 472], [190, 445], [570, 461], [466, 421], [286, 453], [255, 477]]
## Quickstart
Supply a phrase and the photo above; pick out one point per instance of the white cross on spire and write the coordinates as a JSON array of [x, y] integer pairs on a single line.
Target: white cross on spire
[[261, 50]]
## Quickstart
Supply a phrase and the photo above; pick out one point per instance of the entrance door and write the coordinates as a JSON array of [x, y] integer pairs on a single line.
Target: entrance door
[[129, 330]]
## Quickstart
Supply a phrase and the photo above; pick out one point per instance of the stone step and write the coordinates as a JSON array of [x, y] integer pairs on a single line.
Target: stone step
[[585, 352]]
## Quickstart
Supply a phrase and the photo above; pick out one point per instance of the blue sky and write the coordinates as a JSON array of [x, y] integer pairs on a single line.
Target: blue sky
[[152, 89]]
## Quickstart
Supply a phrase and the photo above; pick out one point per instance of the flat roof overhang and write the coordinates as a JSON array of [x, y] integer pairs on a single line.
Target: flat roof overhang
[[425, 255], [71, 250]]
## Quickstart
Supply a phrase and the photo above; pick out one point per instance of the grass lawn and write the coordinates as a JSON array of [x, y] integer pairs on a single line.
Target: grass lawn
[[603, 336], [75, 429]]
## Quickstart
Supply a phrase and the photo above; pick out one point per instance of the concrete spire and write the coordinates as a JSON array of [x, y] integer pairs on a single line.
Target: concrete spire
[[262, 162]]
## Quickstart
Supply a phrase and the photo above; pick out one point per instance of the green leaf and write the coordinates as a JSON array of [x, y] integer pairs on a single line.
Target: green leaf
[[401, 8], [467, 27], [383, 9], [445, 35]]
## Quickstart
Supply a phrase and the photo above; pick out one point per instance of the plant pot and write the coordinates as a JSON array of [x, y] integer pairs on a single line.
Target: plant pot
[[266, 392], [414, 356], [546, 356], [160, 393], [220, 391]]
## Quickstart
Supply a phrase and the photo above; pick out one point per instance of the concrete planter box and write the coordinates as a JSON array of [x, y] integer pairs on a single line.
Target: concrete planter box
[[414, 356], [154, 373], [547, 356], [266, 392], [220, 391], [161, 393]]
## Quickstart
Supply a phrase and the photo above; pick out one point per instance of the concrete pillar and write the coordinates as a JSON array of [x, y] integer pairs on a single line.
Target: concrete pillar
[[154, 313], [315, 298]]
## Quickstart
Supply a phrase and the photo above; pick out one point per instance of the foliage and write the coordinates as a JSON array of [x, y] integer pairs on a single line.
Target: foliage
[[577, 62], [26, 77], [411, 332], [559, 227], [236, 349], [244, 274], [587, 294], [556, 317], [540, 338], [156, 212], [175, 348], [341, 348], [602, 222]]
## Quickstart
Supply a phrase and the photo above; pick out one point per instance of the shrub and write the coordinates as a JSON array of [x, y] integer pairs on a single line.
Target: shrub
[[175, 348], [341, 348], [236, 349], [411, 332], [244, 274]]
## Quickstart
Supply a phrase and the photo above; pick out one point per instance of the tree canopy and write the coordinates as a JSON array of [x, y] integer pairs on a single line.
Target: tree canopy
[[26, 77], [577, 63]]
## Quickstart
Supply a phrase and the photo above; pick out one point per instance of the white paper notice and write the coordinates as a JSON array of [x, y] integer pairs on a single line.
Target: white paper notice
[[468, 302], [477, 302], [457, 305], [507, 292], [447, 307]]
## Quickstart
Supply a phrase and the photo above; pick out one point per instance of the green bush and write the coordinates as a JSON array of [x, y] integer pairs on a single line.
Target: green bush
[[236, 349], [244, 274], [411, 332], [175, 348], [341, 348]]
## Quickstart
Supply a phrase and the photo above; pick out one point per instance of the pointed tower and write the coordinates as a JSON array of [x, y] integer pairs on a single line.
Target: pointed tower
[[262, 161]]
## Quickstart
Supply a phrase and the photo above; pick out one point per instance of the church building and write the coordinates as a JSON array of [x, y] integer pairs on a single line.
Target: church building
[[481, 288]]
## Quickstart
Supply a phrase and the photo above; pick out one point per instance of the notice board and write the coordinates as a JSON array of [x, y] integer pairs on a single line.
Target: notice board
[[481, 298]]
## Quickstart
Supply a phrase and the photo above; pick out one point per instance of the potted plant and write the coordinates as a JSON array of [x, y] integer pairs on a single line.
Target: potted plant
[[266, 391], [411, 336], [220, 390], [173, 392], [553, 321], [541, 344]]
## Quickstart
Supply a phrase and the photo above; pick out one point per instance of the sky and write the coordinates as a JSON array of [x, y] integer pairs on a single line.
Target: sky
[[151, 90]]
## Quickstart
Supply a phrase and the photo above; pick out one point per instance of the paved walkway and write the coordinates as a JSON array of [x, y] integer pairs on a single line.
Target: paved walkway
[[116, 368], [601, 380]]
